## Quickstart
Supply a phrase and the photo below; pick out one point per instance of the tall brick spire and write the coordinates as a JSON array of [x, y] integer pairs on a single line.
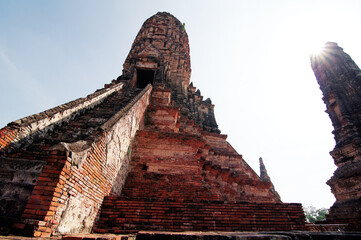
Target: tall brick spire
[[340, 82], [160, 55]]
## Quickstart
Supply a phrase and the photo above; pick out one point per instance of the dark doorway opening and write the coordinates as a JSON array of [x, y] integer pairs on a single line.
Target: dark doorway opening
[[144, 77]]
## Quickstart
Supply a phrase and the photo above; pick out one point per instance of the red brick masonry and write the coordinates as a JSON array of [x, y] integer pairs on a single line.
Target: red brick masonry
[[122, 216]]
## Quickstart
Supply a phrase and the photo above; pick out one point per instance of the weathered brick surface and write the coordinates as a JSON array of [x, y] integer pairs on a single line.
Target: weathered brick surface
[[189, 179], [162, 46], [167, 164], [178, 174], [18, 178], [124, 216], [84, 160], [193, 165], [339, 79], [29, 127], [98, 237]]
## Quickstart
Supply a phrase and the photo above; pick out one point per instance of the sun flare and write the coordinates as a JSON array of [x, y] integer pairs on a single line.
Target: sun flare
[[315, 47]]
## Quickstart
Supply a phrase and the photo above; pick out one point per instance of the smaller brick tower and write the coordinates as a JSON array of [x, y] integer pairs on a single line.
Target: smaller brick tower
[[340, 81]]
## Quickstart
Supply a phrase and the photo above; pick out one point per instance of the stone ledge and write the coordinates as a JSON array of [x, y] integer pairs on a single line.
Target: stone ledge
[[210, 236], [148, 235], [113, 120], [291, 235], [98, 237]]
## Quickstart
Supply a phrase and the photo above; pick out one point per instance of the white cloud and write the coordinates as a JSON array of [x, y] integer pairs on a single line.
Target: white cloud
[[5, 61]]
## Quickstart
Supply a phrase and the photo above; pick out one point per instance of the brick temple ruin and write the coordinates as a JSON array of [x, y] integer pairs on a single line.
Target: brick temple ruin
[[340, 81], [142, 153]]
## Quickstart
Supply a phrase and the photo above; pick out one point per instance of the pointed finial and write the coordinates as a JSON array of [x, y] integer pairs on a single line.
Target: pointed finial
[[264, 177], [263, 172]]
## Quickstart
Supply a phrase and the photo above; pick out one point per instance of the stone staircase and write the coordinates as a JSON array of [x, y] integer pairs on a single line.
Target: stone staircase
[[35, 174]]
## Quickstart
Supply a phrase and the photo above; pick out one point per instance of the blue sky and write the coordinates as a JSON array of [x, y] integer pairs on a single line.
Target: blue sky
[[250, 57]]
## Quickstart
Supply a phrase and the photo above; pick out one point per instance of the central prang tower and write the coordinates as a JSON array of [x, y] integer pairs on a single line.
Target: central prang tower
[[160, 55], [143, 153]]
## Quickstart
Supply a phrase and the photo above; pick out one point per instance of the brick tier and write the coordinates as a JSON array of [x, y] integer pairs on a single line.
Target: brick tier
[[132, 215], [183, 178]]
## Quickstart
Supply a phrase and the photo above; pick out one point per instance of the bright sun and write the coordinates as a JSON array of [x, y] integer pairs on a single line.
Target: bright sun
[[315, 49], [315, 42]]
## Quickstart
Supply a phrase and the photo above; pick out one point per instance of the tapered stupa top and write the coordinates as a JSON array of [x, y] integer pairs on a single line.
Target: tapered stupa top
[[340, 82], [332, 65], [264, 177], [159, 54], [263, 171]]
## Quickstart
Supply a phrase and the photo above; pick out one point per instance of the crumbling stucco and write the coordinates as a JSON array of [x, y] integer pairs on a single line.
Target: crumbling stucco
[[77, 217]]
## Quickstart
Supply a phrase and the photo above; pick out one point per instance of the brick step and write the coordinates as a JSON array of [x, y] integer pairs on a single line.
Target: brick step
[[84, 236], [229, 173], [185, 195], [177, 183], [166, 144], [163, 118], [34, 151], [189, 126], [166, 176], [171, 135], [82, 125], [161, 95], [169, 165], [166, 181], [225, 153], [217, 141], [235, 184], [226, 161], [140, 161], [230, 164], [175, 198], [123, 216], [269, 235]]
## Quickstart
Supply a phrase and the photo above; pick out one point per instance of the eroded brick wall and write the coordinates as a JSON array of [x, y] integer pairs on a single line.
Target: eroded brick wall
[[85, 159], [184, 178], [17, 178], [38, 216], [104, 169]]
